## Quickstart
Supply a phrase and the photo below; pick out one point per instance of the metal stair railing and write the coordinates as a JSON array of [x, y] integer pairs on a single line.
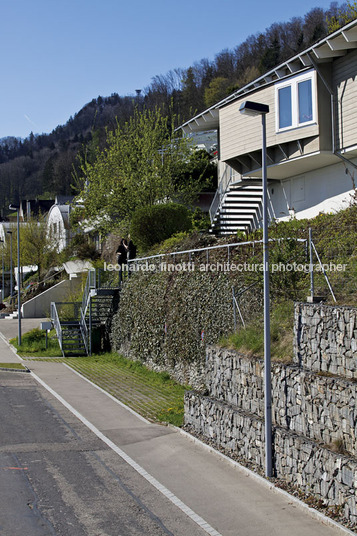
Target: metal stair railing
[[57, 325], [84, 331], [217, 200], [223, 187], [77, 312], [90, 285]]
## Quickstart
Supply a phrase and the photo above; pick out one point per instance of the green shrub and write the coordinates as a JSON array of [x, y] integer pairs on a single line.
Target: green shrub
[[151, 225], [33, 336], [200, 220], [34, 343]]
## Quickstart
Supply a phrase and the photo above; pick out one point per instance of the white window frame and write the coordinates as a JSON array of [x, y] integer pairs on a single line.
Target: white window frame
[[294, 84]]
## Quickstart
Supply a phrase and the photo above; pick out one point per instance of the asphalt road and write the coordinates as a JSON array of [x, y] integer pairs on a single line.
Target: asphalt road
[[57, 478], [74, 461]]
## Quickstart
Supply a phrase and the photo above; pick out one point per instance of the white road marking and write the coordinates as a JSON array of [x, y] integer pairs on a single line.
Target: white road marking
[[162, 489]]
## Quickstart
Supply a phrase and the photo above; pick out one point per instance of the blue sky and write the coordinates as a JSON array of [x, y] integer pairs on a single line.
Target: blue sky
[[57, 55]]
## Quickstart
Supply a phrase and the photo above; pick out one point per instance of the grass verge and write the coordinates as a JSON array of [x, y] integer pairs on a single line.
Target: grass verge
[[154, 395], [33, 344], [15, 366], [250, 340]]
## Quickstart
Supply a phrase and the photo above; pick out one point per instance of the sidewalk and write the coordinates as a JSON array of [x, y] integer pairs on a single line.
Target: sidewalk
[[226, 497]]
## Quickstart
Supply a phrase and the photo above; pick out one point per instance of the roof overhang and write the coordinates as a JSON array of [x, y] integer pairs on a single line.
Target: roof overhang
[[296, 166], [207, 120]]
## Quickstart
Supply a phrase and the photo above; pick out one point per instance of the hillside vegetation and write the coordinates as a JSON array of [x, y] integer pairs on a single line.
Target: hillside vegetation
[[166, 316]]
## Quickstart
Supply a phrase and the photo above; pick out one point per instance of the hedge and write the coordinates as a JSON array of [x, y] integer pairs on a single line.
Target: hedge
[[166, 319]]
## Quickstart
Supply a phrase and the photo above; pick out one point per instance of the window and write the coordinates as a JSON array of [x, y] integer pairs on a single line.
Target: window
[[295, 102]]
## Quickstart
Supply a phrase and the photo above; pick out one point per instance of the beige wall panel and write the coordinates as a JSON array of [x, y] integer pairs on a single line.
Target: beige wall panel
[[240, 134], [345, 87]]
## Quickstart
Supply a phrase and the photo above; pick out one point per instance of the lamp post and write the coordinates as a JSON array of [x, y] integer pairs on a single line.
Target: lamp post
[[2, 266], [256, 109], [17, 208], [11, 283]]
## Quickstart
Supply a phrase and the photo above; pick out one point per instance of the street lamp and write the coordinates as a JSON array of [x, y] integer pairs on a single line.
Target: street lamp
[[3, 268], [11, 283], [17, 208], [256, 109]]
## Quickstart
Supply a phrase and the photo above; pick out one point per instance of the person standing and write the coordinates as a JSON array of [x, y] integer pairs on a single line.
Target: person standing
[[131, 249], [122, 257]]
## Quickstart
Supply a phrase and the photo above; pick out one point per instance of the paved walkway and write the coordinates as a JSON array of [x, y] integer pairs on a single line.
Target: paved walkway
[[209, 489]]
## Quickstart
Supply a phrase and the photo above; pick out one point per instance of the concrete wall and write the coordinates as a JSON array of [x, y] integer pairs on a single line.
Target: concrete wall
[[326, 190], [313, 406], [39, 306]]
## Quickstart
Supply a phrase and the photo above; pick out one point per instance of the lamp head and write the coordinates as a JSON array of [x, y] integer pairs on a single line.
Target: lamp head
[[253, 108], [14, 207]]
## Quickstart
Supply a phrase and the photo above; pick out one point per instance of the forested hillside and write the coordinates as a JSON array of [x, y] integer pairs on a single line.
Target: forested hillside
[[43, 164]]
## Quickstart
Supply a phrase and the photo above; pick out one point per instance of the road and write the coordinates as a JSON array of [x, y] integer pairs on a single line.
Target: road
[[74, 461], [58, 478]]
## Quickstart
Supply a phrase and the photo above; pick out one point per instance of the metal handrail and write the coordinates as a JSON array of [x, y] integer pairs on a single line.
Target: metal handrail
[[217, 200], [90, 284], [220, 193], [210, 248], [79, 312], [57, 324], [84, 329]]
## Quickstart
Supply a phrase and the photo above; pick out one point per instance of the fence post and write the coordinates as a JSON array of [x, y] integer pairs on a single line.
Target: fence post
[[90, 325], [311, 267], [234, 310]]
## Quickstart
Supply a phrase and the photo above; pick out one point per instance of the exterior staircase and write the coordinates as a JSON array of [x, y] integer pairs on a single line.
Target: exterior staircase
[[72, 340], [240, 208], [79, 326], [11, 316]]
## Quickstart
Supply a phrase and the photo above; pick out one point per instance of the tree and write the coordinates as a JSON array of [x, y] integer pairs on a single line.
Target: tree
[[136, 169], [190, 93], [346, 14], [199, 171], [37, 247], [271, 56], [216, 91]]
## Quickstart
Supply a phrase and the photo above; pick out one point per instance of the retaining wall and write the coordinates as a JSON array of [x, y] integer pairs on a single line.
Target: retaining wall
[[326, 339], [39, 306], [314, 410]]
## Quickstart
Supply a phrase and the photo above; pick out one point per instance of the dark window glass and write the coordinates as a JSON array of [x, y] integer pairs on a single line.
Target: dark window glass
[[285, 112], [305, 101]]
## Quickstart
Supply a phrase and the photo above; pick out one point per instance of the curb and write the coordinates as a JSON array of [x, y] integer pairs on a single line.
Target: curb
[[5, 369], [12, 347], [268, 484]]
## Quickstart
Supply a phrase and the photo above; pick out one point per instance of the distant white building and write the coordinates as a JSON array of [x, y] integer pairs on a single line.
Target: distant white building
[[58, 223], [6, 226]]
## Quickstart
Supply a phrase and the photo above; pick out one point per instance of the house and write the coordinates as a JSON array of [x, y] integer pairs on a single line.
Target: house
[[311, 138], [58, 222]]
